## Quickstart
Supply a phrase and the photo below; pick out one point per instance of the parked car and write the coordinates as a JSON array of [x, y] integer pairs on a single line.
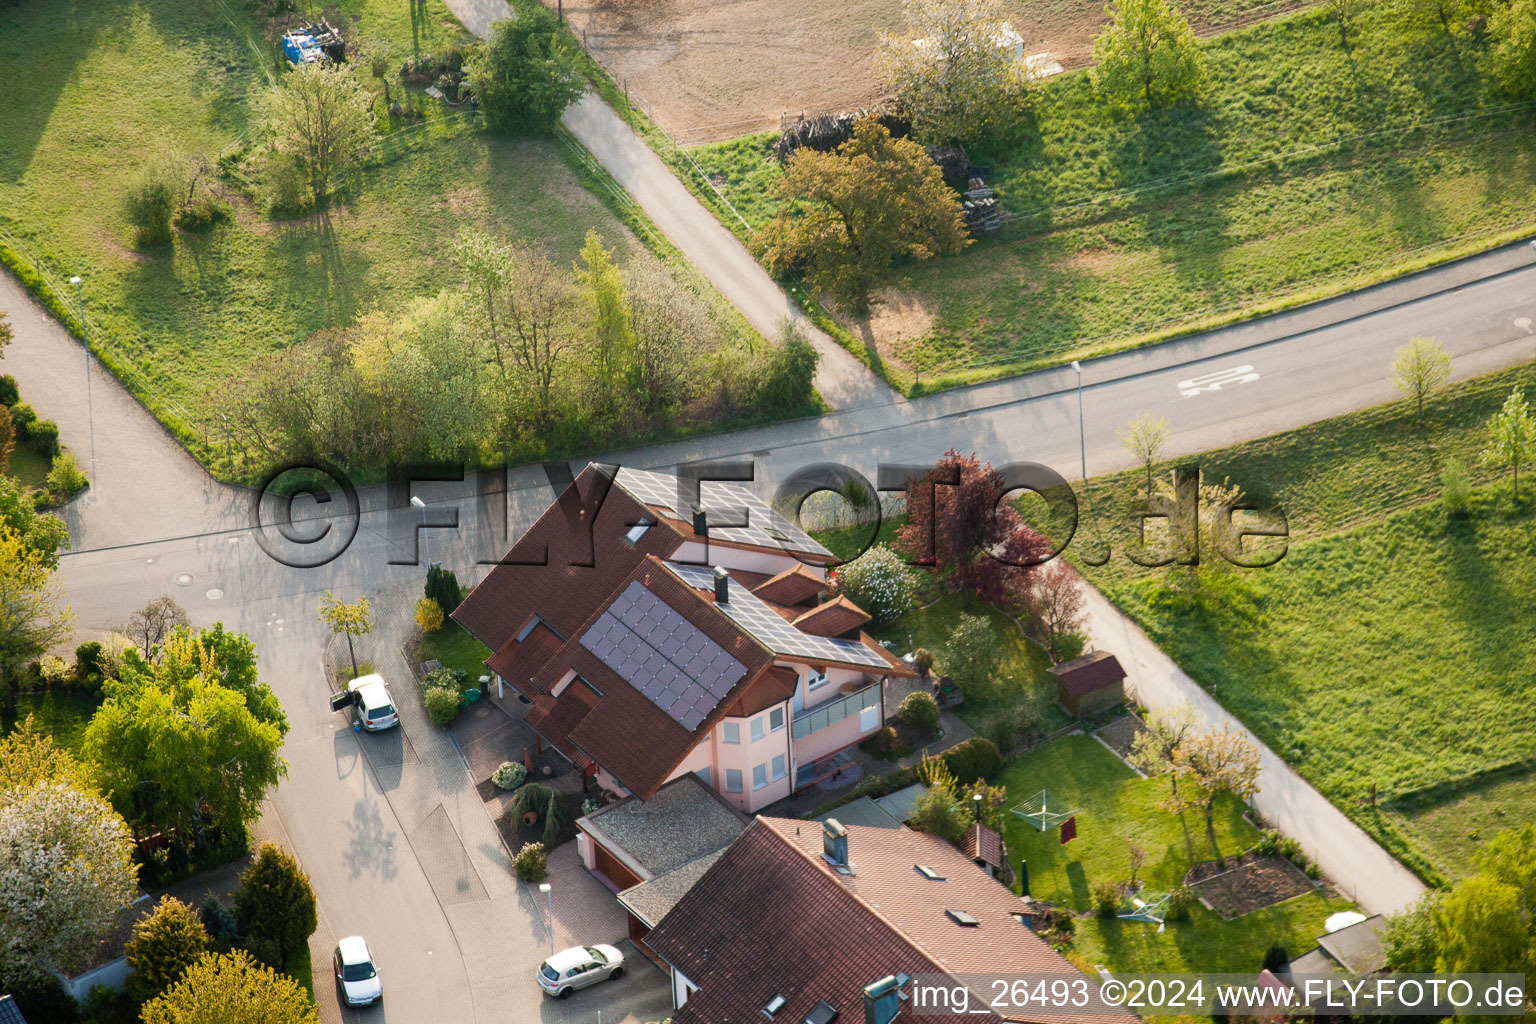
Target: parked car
[[372, 704], [357, 976], [578, 967]]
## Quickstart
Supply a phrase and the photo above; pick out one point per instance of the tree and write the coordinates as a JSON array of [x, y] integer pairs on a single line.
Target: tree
[[613, 335], [880, 583], [1053, 604], [232, 988], [1214, 762], [1411, 940], [1155, 750], [29, 757], [524, 76], [320, 115], [960, 523], [1511, 435], [848, 216], [1145, 437], [1147, 56], [43, 532], [162, 947], [1420, 368], [1512, 28], [181, 753], [429, 615], [1482, 928], [954, 70], [150, 625], [355, 619], [32, 615], [66, 869], [443, 587], [149, 205], [938, 812], [971, 656], [275, 901], [1344, 12], [672, 329]]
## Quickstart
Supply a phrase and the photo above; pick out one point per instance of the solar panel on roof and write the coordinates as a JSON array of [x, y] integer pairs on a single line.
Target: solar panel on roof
[[663, 655], [765, 527], [771, 629]]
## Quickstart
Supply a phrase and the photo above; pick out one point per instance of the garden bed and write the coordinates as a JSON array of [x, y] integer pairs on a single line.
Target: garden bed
[[1120, 735], [1233, 887], [515, 834]]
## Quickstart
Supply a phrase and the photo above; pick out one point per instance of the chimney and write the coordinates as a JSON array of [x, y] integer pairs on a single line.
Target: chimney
[[882, 1000], [834, 845], [722, 585], [700, 522]]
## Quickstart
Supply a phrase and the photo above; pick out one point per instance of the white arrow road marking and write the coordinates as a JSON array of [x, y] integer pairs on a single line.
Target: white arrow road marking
[[1216, 381], [1524, 323]]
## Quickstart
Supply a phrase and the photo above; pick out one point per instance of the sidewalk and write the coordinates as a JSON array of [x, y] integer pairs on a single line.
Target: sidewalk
[[1359, 868]]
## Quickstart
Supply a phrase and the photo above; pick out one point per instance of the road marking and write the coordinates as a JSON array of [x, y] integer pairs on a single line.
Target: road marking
[[1524, 323], [1216, 381]]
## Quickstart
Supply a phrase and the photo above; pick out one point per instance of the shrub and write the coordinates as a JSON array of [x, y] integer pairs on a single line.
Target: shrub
[[44, 998], [1180, 902], [55, 670], [879, 582], [285, 185], [531, 862], [105, 1005], [65, 479], [439, 679], [1106, 899], [162, 947], [1066, 646], [9, 393], [975, 758], [785, 379], [442, 705], [88, 658], [429, 615], [202, 212], [1268, 844], [882, 744], [971, 656], [919, 712], [149, 205], [510, 775], [590, 806], [922, 660], [1455, 488], [443, 587], [43, 436], [1290, 849], [938, 812], [218, 920], [1275, 957], [275, 901], [1313, 871], [23, 416], [524, 75], [1012, 727]]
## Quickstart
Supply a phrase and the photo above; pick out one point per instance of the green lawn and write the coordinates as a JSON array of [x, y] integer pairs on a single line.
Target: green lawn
[[1116, 807], [96, 87], [62, 714], [1392, 647], [455, 648], [1131, 229], [1449, 829]]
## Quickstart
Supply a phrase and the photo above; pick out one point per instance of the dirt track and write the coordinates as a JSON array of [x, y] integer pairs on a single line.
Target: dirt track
[[715, 69]]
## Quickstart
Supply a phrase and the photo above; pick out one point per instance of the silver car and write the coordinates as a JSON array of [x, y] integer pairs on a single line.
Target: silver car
[[578, 967]]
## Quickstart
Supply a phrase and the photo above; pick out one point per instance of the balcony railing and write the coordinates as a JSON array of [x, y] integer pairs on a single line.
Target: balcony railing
[[814, 719]]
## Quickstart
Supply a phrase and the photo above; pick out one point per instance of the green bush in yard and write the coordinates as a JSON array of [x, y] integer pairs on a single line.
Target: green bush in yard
[[510, 775], [971, 656], [531, 862], [43, 436], [1180, 902], [275, 901], [975, 758], [162, 947], [1455, 488], [65, 479], [524, 76], [10, 394], [150, 205], [1106, 899], [919, 712], [442, 705], [880, 583], [443, 587]]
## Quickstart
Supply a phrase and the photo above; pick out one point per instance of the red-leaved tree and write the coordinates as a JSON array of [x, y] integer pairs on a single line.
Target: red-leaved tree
[[961, 525]]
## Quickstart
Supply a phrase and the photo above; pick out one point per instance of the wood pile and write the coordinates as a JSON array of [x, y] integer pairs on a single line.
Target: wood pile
[[982, 212], [825, 132]]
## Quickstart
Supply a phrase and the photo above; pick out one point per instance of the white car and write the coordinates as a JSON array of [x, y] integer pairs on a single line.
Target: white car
[[578, 967], [356, 974], [372, 704]]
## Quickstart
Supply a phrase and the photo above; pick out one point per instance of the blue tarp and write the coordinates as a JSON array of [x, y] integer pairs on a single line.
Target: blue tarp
[[301, 48]]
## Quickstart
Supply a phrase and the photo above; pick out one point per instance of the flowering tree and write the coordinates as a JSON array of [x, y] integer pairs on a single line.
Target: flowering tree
[[65, 872], [879, 582]]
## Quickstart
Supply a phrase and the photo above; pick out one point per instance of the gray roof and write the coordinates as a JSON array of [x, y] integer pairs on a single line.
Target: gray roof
[[862, 811], [9, 1013], [682, 822], [1358, 947], [899, 804], [653, 900], [771, 629], [1314, 961], [663, 655], [765, 527]]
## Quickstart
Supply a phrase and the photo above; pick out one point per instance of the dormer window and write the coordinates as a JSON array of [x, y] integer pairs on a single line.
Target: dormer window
[[637, 531]]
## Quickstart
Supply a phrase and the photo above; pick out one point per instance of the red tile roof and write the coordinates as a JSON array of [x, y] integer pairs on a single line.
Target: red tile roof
[[983, 844], [818, 935], [795, 585], [832, 618], [1089, 672]]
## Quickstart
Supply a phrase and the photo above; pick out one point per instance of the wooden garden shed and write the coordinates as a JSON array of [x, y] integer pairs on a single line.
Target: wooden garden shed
[[1089, 683]]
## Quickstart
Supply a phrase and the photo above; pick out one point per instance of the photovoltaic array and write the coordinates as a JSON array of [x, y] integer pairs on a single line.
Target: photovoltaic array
[[765, 527]]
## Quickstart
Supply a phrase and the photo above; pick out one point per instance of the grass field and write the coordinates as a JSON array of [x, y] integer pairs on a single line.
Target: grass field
[[62, 714], [115, 81], [1393, 646], [1115, 807], [1308, 170], [455, 648]]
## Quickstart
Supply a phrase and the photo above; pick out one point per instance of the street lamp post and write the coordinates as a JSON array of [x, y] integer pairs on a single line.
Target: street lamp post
[[1082, 436], [90, 412], [426, 540], [549, 903]]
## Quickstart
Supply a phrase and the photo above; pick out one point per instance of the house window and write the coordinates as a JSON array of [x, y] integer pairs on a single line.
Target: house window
[[757, 728], [733, 780], [775, 719], [703, 773], [779, 768], [637, 531], [731, 732], [759, 776], [816, 680]]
